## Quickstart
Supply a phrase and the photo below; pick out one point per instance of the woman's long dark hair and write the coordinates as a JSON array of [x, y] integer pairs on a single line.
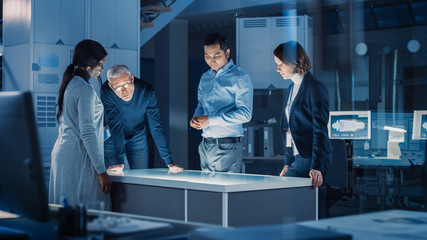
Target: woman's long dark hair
[[87, 53]]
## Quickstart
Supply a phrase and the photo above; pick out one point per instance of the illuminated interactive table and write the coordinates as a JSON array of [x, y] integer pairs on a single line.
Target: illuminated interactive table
[[226, 199]]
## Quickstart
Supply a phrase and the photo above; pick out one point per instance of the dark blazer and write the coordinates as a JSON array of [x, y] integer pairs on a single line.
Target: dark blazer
[[308, 123]]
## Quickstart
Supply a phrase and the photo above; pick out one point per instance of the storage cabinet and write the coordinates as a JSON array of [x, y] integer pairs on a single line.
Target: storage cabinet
[[258, 37], [59, 21], [116, 25]]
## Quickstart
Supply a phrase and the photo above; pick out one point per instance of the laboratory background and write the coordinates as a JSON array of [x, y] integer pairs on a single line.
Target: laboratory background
[[370, 55]]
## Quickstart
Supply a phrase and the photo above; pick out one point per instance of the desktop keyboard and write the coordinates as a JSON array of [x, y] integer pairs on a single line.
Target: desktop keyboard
[[112, 225]]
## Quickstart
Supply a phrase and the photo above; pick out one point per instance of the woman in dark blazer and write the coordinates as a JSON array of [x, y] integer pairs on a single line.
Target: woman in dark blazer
[[304, 120]]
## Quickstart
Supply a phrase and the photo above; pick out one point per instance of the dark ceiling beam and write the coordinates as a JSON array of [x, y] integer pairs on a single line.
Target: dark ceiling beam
[[339, 21], [411, 12], [374, 17]]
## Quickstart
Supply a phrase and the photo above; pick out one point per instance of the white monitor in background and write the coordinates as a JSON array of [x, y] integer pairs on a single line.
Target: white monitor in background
[[349, 125], [419, 130]]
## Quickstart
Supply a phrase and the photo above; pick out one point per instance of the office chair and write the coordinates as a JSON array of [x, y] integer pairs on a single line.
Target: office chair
[[337, 176], [414, 187]]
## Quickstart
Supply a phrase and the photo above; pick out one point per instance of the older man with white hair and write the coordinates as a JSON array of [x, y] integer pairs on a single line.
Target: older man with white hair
[[130, 106]]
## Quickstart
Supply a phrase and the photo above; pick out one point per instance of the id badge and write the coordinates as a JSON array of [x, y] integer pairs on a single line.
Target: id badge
[[107, 133], [288, 139]]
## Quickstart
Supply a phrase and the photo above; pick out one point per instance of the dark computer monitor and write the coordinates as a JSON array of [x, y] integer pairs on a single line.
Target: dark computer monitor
[[22, 187]]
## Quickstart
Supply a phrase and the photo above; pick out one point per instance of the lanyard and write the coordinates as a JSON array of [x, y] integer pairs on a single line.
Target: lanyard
[[290, 102]]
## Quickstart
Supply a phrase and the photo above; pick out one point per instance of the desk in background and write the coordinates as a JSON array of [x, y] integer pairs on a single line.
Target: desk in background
[[379, 162], [387, 178], [379, 176], [226, 199], [34, 230], [383, 225]]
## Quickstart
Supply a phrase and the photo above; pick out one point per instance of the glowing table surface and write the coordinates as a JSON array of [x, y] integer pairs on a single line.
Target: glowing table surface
[[210, 181]]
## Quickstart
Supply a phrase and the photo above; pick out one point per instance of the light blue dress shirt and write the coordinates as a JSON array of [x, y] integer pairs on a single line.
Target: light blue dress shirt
[[226, 97]]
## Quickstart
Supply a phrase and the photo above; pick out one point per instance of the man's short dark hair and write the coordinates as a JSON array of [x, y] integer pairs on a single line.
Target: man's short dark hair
[[216, 38]]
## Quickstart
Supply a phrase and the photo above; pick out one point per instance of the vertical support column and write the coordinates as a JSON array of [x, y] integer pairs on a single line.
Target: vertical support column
[[317, 204], [225, 209], [186, 205], [171, 84]]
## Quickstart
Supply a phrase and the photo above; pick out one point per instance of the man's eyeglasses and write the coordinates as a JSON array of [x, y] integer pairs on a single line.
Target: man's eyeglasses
[[127, 85]]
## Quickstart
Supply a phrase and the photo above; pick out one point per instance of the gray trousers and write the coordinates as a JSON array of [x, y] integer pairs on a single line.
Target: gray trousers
[[223, 157]]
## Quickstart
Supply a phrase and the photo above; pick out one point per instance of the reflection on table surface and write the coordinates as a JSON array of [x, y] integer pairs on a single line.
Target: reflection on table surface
[[207, 177]]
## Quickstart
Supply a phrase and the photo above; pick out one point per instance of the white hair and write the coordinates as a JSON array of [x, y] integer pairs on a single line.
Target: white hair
[[117, 70]]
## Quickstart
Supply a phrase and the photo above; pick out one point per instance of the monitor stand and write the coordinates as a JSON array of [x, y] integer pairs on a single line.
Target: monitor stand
[[393, 150], [395, 136]]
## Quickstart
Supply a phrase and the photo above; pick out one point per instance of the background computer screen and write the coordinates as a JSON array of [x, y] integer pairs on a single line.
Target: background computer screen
[[349, 125], [22, 188], [419, 130]]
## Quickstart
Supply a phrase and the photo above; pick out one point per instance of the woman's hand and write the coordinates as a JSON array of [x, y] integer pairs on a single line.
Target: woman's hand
[[316, 177], [105, 181], [115, 168], [285, 169], [174, 168]]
